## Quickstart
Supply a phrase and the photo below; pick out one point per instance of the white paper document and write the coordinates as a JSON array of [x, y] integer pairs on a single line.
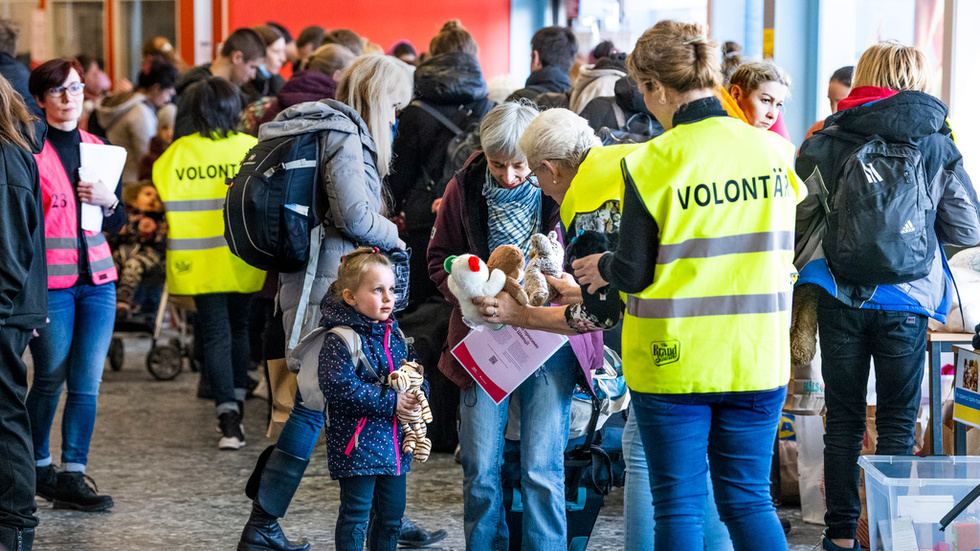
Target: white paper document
[[103, 163], [925, 509], [499, 360]]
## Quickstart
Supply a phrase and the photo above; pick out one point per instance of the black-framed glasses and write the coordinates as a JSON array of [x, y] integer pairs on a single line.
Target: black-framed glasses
[[74, 89], [532, 178]]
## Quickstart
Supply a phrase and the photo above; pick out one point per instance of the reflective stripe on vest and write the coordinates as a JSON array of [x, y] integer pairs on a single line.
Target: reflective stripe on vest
[[196, 243], [716, 317], [599, 179], [61, 225], [729, 305], [190, 177], [707, 247], [196, 205]]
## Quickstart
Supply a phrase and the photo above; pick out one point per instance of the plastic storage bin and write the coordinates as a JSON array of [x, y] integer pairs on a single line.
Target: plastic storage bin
[[907, 496]]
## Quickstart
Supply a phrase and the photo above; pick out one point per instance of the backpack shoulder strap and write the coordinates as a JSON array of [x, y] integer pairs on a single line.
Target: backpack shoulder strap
[[620, 115], [443, 120], [309, 277], [354, 345]]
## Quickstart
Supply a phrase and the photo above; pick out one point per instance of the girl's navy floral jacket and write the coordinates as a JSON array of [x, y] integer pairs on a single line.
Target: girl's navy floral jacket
[[363, 435]]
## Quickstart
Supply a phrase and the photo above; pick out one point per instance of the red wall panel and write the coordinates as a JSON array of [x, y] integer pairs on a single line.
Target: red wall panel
[[386, 21]]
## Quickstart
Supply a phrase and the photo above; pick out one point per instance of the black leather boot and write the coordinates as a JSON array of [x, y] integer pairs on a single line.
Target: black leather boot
[[16, 539], [262, 532], [271, 487]]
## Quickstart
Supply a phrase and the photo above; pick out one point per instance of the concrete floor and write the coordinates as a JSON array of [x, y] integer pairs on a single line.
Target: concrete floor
[[155, 452]]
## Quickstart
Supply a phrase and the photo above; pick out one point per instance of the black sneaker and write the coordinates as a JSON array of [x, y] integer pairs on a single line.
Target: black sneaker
[[75, 492], [47, 482], [241, 410], [232, 432], [828, 545]]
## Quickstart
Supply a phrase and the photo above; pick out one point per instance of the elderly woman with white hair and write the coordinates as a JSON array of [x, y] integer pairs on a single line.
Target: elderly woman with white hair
[[586, 180], [494, 200]]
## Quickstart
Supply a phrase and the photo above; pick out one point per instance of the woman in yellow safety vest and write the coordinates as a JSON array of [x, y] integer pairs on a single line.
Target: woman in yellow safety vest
[[587, 181], [708, 265], [190, 176]]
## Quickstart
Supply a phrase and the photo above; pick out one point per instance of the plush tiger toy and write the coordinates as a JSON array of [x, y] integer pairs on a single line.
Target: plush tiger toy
[[408, 378]]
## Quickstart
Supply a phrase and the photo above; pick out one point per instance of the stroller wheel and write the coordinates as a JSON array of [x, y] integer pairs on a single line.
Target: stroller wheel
[[117, 354], [164, 362]]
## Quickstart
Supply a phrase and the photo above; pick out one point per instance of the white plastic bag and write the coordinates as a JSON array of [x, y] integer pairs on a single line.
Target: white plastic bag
[[809, 442]]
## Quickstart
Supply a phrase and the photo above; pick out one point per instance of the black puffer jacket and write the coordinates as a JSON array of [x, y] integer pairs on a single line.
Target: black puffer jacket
[[906, 117], [453, 85], [23, 271]]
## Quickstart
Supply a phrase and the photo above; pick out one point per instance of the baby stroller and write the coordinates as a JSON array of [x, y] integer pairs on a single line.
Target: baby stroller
[[165, 360]]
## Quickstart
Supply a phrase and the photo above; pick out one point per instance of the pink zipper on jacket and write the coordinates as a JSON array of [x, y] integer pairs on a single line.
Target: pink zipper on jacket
[[357, 432], [394, 425]]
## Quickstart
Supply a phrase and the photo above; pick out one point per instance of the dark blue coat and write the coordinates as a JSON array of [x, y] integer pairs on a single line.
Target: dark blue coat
[[363, 435]]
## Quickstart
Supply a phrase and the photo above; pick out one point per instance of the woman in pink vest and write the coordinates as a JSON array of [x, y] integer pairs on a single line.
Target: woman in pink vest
[[71, 349]]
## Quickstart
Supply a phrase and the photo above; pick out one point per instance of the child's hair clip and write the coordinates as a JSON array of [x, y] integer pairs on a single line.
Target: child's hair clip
[[377, 250]]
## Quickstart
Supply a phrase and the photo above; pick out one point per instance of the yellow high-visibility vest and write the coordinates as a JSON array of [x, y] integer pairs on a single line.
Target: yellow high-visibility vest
[[190, 177], [598, 181], [717, 316]]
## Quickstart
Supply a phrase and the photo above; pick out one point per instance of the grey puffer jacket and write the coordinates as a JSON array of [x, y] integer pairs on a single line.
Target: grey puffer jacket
[[348, 167]]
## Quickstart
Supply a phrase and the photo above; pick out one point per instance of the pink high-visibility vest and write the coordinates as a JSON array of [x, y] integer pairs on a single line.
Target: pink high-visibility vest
[[61, 225]]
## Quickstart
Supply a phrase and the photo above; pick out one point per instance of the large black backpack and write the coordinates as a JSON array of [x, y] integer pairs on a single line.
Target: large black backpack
[[274, 203], [880, 218], [270, 208]]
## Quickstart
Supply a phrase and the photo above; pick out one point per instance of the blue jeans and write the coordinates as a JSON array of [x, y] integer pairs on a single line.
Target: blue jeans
[[849, 338], [737, 431], [71, 349], [546, 399], [638, 506], [222, 320], [359, 497], [301, 431]]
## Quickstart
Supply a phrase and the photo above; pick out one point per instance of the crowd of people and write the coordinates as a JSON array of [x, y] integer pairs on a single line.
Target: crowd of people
[[674, 138]]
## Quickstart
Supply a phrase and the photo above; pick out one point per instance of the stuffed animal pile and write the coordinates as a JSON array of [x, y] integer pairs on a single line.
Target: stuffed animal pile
[[408, 378], [469, 277]]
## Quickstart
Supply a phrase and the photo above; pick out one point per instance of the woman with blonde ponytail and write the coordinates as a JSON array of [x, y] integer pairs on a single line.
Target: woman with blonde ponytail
[[708, 266]]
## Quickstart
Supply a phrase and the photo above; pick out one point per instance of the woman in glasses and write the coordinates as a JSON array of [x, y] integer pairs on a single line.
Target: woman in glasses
[[495, 200], [81, 297]]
